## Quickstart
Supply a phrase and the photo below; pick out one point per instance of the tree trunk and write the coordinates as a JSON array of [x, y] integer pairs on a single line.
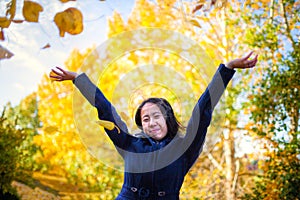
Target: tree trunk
[[229, 152]]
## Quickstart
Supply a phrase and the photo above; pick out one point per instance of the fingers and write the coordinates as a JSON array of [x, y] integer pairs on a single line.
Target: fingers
[[248, 56], [62, 70], [59, 74], [56, 75], [251, 63]]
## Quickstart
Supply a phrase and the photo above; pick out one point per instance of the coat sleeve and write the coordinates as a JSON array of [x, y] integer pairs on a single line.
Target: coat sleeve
[[202, 112], [105, 109]]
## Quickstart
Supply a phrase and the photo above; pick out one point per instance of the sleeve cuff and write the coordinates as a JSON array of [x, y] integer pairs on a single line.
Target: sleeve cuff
[[226, 69], [86, 87]]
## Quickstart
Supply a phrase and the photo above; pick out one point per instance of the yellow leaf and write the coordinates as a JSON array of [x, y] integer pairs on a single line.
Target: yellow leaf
[[31, 11], [255, 6], [10, 14], [4, 22], [50, 129], [108, 125], [69, 21], [195, 22]]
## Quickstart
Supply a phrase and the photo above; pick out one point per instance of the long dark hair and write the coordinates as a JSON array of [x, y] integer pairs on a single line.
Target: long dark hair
[[172, 123]]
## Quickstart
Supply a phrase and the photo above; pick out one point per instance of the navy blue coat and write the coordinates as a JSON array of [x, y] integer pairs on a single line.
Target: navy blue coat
[[156, 169]]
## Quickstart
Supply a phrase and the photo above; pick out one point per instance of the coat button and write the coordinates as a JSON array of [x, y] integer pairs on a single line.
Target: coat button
[[143, 192], [133, 189], [161, 193]]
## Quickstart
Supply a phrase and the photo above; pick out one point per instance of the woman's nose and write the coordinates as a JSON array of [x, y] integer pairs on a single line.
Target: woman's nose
[[152, 121]]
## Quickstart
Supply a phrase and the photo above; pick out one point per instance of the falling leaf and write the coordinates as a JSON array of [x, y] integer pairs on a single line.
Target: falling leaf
[[31, 11], [46, 46], [198, 7], [9, 14], [108, 125], [4, 22], [65, 1], [1, 35], [195, 22], [69, 21], [4, 53], [18, 21]]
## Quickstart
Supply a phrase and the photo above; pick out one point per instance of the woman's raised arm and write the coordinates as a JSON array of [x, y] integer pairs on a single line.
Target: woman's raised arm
[[202, 113], [106, 111]]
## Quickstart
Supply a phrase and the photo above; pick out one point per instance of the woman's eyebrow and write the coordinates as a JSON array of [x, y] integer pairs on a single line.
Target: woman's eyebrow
[[156, 113], [146, 115]]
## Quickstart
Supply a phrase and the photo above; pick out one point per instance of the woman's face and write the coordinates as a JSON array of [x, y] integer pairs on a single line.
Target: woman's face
[[153, 121]]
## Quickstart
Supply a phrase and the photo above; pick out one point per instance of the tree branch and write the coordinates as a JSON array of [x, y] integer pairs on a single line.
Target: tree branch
[[286, 23], [214, 162]]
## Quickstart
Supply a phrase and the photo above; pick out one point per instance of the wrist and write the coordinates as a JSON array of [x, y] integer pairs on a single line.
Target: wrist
[[229, 65], [74, 75]]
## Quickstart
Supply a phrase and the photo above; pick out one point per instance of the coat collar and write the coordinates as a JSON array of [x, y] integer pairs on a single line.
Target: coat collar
[[162, 142]]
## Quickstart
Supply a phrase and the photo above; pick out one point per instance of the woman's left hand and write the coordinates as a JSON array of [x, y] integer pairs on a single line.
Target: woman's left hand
[[59, 74], [243, 63]]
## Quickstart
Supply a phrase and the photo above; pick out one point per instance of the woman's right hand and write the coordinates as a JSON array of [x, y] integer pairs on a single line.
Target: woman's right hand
[[59, 74]]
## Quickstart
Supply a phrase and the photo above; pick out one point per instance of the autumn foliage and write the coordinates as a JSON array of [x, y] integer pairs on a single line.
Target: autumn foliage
[[69, 20]]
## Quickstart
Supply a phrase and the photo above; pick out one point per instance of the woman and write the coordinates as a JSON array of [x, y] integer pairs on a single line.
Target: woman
[[157, 159]]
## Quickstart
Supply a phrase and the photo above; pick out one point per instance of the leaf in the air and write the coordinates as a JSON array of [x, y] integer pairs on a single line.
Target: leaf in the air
[[198, 7], [18, 21], [46, 46], [4, 53], [9, 14], [195, 22], [4, 22], [1, 35], [31, 11], [69, 21], [65, 1]]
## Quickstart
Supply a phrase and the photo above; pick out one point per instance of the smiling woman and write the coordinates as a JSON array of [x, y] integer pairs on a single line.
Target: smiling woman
[[156, 160], [156, 118]]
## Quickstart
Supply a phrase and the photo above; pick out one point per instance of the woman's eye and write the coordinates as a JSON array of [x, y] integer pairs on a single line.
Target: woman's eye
[[146, 120], [157, 116]]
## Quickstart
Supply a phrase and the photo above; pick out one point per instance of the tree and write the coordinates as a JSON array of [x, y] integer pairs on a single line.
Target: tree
[[18, 126], [62, 151], [10, 141], [275, 102], [26, 116], [221, 32]]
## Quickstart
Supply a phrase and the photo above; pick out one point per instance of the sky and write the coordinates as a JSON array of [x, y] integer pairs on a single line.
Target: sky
[[21, 74]]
